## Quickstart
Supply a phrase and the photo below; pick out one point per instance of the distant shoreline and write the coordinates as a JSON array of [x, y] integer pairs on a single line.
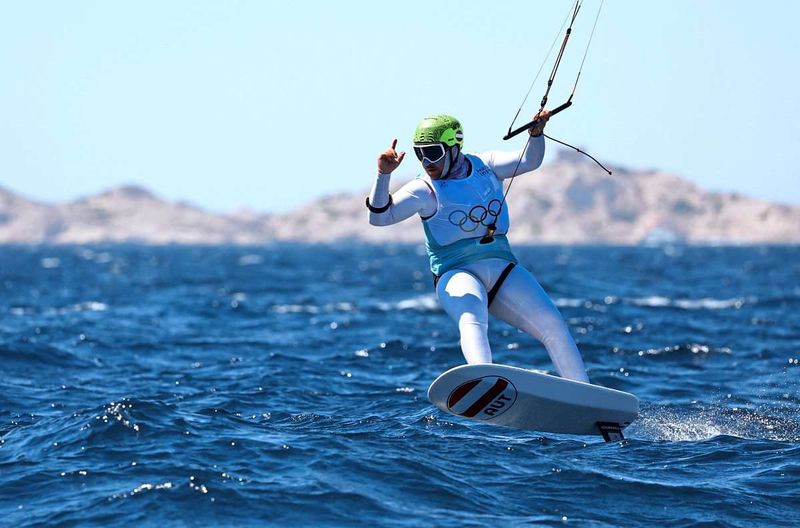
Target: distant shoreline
[[564, 203]]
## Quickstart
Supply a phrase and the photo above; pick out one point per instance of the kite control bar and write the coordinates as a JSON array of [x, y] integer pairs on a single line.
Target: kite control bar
[[554, 111]]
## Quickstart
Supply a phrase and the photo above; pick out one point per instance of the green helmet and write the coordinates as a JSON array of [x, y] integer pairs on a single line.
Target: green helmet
[[440, 129]]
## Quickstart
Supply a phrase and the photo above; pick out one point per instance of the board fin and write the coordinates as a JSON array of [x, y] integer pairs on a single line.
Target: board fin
[[611, 431]]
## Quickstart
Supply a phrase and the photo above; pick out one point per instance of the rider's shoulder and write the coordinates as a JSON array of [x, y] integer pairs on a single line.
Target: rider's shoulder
[[480, 162]]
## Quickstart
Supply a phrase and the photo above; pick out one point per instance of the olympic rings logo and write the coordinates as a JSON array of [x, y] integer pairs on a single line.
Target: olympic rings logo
[[477, 216]]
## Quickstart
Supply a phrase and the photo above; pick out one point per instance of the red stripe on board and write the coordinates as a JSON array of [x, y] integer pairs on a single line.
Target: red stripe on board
[[460, 392], [486, 399]]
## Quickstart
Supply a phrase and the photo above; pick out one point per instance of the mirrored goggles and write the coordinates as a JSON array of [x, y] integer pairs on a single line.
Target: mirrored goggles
[[429, 153]]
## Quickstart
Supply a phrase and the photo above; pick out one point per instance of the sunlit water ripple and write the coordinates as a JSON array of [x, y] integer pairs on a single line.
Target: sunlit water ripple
[[286, 385]]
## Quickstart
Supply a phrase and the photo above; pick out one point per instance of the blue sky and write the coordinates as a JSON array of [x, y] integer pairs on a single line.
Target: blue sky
[[266, 105]]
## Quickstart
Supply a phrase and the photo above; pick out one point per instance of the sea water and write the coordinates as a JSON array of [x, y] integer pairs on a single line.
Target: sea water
[[286, 385]]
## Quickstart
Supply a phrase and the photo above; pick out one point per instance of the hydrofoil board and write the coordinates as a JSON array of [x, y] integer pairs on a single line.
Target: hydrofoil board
[[523, 399]]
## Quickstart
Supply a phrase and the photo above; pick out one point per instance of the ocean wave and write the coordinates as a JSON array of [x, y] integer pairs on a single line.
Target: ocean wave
[[50, 262], [562, 302], [250, 260], [24, 352], [657, 301], [706, 421], [87, 306], [420, 303], [691, 348], [143, 398], [338, 307]]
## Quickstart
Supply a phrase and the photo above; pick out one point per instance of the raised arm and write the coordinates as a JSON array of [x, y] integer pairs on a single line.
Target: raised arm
[[415, 197], [504, 163]]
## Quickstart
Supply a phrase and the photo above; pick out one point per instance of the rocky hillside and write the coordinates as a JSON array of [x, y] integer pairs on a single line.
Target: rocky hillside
[[125, 214], [569, 201], [572, 201]]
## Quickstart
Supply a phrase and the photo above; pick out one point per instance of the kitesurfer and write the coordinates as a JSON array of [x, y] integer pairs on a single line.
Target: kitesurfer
[[465, 218]]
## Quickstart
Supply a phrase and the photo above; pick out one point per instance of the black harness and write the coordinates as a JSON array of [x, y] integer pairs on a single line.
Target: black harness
[[495, 288]]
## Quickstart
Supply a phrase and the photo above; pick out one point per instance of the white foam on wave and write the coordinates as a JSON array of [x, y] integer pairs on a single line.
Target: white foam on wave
[[50, 262], [708, 304], [313, 308], [103, 258], [429, 302], [704, 423], [92, 306], [660, 301], [564, 302], [705, 303], [250, 260], [653, 301], [423, 303], [694, 348], [99, 258], [295, 308], [147, 487], [87, 306]]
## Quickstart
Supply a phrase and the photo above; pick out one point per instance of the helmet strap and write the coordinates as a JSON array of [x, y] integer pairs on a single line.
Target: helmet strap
[[451, 159], [447, 165]]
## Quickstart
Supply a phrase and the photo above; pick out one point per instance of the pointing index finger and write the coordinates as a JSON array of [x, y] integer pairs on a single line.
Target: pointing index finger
[[394, 143]]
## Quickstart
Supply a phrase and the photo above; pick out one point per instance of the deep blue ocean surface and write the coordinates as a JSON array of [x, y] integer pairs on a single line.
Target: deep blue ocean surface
[[286, 385]]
